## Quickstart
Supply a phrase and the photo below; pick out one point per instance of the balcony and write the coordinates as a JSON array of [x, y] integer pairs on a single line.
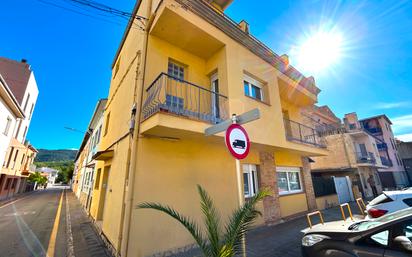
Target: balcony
[[386, 161], [297, 132], [374, 131], [382, 146], [171, 95], [367, 158]]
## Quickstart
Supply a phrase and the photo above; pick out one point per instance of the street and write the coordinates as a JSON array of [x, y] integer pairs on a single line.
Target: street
[[49, 223]]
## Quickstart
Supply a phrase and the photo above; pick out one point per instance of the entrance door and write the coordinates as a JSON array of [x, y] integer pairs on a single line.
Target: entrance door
[[342, 189], [103, 193], [215, 97]]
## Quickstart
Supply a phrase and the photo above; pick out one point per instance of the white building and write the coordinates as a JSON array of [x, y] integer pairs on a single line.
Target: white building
[[10, 114], [52, 175]]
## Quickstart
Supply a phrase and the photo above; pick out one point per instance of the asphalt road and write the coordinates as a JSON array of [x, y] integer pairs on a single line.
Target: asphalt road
[[37, 225]]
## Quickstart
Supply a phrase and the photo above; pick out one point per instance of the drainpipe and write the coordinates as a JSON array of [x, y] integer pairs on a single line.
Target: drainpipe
[[134, 149]]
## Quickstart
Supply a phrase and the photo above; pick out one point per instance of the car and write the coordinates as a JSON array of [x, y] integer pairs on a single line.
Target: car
[[387, 236], [388, 202]]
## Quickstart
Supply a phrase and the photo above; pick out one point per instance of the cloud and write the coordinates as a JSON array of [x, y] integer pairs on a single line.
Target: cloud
[[385, 106], [402, 124], [405, 137]]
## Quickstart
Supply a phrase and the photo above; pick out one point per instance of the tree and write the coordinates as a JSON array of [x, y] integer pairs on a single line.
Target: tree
[[216, 243], [37, 177]]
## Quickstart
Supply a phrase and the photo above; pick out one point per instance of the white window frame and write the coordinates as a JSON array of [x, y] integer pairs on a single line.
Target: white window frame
[[253, 82], [251, 171], [290, 170]]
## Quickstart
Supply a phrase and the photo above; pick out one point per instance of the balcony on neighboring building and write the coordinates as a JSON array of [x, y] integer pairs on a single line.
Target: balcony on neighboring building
[[386, 161], [366, 158], [374, 131], [297, 132], [382, 146], [171, 95]]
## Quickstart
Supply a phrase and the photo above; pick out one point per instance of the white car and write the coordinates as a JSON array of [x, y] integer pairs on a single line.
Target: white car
[[388, 202]]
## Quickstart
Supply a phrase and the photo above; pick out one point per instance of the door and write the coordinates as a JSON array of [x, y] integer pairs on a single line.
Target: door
[[215, 97], [103, 193], [362, 150], [342, 189]]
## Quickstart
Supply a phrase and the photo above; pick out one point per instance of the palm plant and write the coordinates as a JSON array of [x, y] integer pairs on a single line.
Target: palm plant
[[217, 242]]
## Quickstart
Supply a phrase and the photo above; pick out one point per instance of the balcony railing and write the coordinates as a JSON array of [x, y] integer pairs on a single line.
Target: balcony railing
[[303, 134], [365, 157], [386, 161], [173, 95]]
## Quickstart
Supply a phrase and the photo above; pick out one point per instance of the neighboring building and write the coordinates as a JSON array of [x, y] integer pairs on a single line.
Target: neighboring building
[[195, 67], [85, 165], [51, 175], [351, 169], [18, 159], [10, 114], [405, 153], [394, 176]]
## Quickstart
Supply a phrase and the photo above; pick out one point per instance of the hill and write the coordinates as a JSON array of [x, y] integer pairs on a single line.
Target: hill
[[45, 155]]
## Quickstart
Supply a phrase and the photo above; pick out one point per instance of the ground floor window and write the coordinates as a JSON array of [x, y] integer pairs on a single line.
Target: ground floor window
[[289, 180], [250, 181]]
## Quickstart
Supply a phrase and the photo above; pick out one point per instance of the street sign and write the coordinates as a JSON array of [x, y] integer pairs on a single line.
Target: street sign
[[237, 141], [240, 119]]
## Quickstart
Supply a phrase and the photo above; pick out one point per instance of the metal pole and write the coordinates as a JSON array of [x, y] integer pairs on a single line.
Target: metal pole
[[239, 190]]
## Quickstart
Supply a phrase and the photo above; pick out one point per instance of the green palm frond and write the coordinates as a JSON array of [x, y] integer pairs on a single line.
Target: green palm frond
[[212, 221], [216, 245], [189, 224], [241, 221]]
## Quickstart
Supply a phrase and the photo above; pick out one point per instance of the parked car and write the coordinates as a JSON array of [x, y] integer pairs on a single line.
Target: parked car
[[387, 236], [389, 202]]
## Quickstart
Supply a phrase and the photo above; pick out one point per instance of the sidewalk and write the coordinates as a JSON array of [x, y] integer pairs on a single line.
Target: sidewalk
[[282, 240], [16, 197], [86, 241]]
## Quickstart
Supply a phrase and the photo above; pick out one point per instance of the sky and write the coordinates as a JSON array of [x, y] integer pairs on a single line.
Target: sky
[[71, 55]]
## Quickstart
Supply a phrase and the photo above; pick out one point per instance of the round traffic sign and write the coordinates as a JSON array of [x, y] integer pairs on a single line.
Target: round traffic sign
[[237, 141]]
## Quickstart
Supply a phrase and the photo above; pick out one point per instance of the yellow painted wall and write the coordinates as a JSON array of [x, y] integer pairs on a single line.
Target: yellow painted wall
[[168, 173], [293, 204], [327, 201]]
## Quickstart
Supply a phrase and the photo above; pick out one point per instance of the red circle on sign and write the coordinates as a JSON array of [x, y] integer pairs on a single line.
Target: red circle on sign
[[241, 142]]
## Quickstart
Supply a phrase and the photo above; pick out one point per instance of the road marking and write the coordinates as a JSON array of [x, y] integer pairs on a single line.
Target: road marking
[[53, 235], [20, 213], [7, 204], [69, 235]]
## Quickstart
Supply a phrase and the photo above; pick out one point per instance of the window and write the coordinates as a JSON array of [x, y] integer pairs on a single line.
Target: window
[[31, 111], [15, 158], [250, 180], [10, 156], [27, 101], [106, 127], [25, 131], [176, 70], [289, 180], [408, 201], [252, 88], [18, 130], [381, 238], [99, 132], [7, 128]]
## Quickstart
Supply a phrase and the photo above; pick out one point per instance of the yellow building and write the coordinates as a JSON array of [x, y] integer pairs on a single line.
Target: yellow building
[[183, 66]]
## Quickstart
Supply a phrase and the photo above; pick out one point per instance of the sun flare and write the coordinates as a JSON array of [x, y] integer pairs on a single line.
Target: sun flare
[[319, 51]]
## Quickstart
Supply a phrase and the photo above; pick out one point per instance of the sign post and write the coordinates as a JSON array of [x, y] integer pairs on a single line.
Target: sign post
[[238, 143]]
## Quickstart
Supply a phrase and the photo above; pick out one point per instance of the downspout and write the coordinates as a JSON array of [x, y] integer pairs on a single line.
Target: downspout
[[134, 151]]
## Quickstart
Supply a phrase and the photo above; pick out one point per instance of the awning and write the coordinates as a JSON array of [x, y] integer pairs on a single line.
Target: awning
[[103, 155]]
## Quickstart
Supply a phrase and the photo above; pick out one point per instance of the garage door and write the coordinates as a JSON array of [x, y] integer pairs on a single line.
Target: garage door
[[342, 189]]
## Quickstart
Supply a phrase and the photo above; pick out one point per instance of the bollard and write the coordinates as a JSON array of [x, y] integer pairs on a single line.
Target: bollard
[[343, 212], [314, 213], [361, 206]]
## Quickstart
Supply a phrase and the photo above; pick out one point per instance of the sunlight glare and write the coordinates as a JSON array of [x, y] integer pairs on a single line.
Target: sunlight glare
[[319, 51]]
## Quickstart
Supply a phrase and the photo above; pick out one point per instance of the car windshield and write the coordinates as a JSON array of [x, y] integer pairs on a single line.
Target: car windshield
[[365, 225]]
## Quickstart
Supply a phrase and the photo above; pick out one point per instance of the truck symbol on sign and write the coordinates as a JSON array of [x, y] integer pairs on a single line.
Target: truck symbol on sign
[[239, 144]]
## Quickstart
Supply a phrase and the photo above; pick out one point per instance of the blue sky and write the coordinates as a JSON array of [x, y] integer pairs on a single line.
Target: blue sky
[[71, 55]]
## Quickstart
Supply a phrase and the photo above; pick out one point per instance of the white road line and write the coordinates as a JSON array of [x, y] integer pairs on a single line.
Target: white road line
[[7, 204], [70, 248]]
